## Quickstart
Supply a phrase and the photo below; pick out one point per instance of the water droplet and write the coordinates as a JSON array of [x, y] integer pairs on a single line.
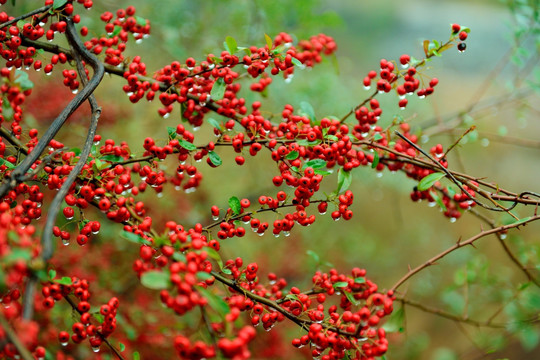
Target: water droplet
[[287, 233], [337, 219], [95, 349], [160, 195], [276, 235], [405, 66], [190, 190], [65, 242], [64, 343], [260, 233], [485, 142], [431, 204], [69, 218], [322, 213], [367, 87], [503, 236], [379, 174], [215, 218], [453, 220], [166, 116], [196, 128], [422, 97], [48, 73], [402, 108], [202, 103]]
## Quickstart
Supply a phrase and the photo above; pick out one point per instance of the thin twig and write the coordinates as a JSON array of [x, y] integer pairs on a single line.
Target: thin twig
[[460, 244], [14, 339]]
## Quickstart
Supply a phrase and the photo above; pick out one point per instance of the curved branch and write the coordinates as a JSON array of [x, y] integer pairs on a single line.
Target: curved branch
[[458, 245], [53, 129]]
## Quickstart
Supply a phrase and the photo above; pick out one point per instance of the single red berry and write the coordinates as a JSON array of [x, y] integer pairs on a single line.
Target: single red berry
[[404, 59], [455, 28], [463, 36]]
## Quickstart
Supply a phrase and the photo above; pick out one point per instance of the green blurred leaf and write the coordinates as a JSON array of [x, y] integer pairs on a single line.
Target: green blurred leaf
[[52, 274], [293, 155], [21, 78], [396, 321], [122, 347], [215, 301], [341, 284], [214, 123], [203, 275], [7, 163], [307, 110], [376, 160], [65, 280], [529, 337], [134, 238], [156, 279], [430, 180], [234, 204], [360, 280], [172, 132], [17, 254], [136, 356], [218, 90], [377, 136], [344, 180], [112, 158], [187, 145], [140, 20], [214, 158], [296, 62], [314, 255], [269, 41], [315, 164], [57, 4], [230, 45]]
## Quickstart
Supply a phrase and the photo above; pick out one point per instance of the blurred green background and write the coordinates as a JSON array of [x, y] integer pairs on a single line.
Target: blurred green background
[[491, 86]]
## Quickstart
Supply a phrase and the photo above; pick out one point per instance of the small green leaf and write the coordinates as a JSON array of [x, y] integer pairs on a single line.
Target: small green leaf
[[17, 254], [177, 256], [134, 238], [314, 255], [351, 298], [122, 347], [396, 321], [322, 172], [307, 109], [155, 279], [341, 284], [57, 4], [315, 163], [376, 160], [112, 158], [7, 163], [214, 123], [187, 145], [377, 136], [344, 180], [296, 62], [231, 45], [293, 155], [140, 20], [521, 221], [136, 356], [203, 275], [76, 151], [215, 301], [360, 280], [52, 274], [430, 180], [214, 158], [21, 78], [172, 132], [99, 317], [65, 280], [438, 200], [426, 47], [234, 204], [269, 41], [218, 90]]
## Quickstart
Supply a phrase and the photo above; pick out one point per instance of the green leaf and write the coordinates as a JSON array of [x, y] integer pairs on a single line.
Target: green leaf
[[344, 180], [234, 204], [218, 90], [203, 275], [426, 47], [65, 280], [7, 163], [376, 160], [76, 151], [112, 158], [322, 172], [296, 62], [177, 256], [430, 180], [269, 41], [314, 255], [134, 238], [315, 164], [293, 155], [214, 255], [140, 20], [214, 123], [307, 109], [360, 280], [230, 45], [377, 136], [521, 221], [122, 347], [187, 145], [172, 132], [214, 158], [52, 274], [21, 78], [156, 279], [341, 284], [396, 321], [529, 337], [57, 4], [351, 298], [438, 200], [17, 254], [215, 301], [136, 356]]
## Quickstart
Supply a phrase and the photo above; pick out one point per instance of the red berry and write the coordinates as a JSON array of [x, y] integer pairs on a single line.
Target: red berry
[[462, 36]]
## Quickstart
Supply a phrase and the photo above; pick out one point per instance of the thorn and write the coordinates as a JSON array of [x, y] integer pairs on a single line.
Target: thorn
[[459, 241], [409, 267]]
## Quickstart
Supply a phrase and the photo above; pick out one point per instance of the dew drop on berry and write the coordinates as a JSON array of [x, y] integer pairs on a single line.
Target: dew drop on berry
[[95, 349], [64, 343], [65, 242]]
